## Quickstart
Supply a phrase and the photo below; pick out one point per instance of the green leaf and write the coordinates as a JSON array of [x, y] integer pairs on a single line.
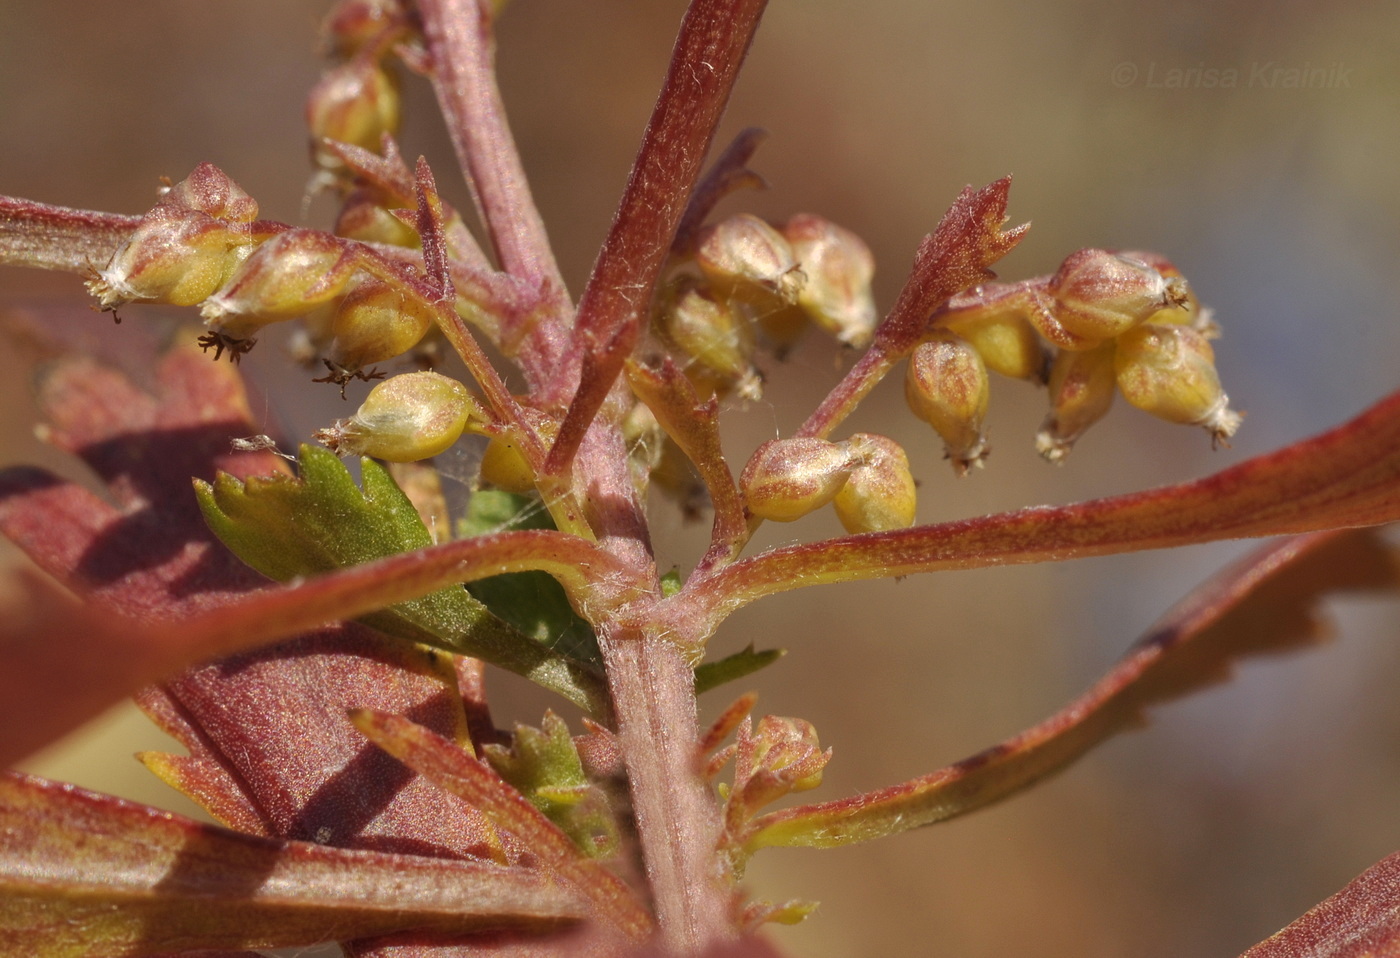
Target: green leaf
[[533, 602], [544, 765], [710, 675], [320, 521]]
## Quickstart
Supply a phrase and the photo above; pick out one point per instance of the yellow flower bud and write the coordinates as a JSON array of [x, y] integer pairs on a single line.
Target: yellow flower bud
[[375, 322], [1169, 371], [782, 328], [1006, 341], [788, 478], [503, 465], [1081, 392], [362, 217], [176, 255], [879, 495], [714, 336], [356, 102], [748, 260], [287, 276], [946, 386], [1100, 295], [406, 418], [839, 267]]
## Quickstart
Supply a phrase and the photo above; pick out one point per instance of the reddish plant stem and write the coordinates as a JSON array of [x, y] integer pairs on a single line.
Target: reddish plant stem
[[677, 822], [713, 40], [458, 34]]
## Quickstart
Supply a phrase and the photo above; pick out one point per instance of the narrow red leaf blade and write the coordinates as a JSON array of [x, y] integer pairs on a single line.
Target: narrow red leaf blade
[[1266, 603], [453, 770], [83, 874], [1347, 477], [1360, 921]]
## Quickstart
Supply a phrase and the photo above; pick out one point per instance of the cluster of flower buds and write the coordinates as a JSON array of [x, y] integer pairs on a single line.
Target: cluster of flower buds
[[185, 248], [782, 755], [866, 478], [777, 280], [357, 99], [1118, 322], [406, 418]]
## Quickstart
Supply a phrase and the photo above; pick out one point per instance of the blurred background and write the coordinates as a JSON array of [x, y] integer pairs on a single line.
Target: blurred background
[[1165, 127]]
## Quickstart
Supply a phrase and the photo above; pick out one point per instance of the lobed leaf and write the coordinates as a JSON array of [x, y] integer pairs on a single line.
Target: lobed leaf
[[1360, 921], [321, 521], [83, 874], [1266, 603]]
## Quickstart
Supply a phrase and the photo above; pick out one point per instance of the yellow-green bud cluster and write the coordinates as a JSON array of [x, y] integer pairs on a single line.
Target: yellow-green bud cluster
[[866, 478], [1126, 322], [778, 279], [406, 418]]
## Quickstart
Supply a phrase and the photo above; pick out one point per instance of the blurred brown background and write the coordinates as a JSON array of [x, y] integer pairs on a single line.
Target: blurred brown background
[[1236, 810]]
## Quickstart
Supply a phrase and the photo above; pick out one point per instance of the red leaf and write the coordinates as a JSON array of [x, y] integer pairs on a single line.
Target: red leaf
[[1266, 603], [1347, 477], [1360, 921], [87, 874]]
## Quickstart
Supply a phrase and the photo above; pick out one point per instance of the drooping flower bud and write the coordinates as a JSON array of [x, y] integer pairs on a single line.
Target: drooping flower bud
[[176, 255], [1006, 341], [712, 334], [1100, 295], [356, 102], [880, 493], [409, 417], [1081, 392], [946, 386], [375, 322], [287, 276], [1169, 371], [750, 261], [788, 478], [504, 466], [839, 267]]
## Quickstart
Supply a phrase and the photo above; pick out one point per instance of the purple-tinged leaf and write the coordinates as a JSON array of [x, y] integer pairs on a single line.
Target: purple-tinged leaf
[[453, 770], [1265, 603], [83, 874], [1344, 478], [56, 237], [1360, 921]]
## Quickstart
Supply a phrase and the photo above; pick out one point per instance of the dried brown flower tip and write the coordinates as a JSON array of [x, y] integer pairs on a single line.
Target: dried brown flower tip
[[788, 478], [946, 386], [1081, 392], [409, 417], [838, 267]]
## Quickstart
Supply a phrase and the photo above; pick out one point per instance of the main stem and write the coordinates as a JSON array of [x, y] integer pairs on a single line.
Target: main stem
[[654, 700]]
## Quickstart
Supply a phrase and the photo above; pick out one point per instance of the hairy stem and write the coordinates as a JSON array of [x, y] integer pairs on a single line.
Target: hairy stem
[[654, 702]]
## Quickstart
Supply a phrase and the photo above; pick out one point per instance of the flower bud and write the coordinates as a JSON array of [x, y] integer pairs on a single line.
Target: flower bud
[[717, 338], [788, 478], [748, 260], [1006, 341], [176, 255], [1169, 371], [504, 466], [1189, 313], [210, 190], [839, 267], [353, 25], [287, 276], [782, 328], [946, 386], [356, 102], [1081, 392], [406, 418], [1099, 295], [363, 217], [375, 322], [880, 493]]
